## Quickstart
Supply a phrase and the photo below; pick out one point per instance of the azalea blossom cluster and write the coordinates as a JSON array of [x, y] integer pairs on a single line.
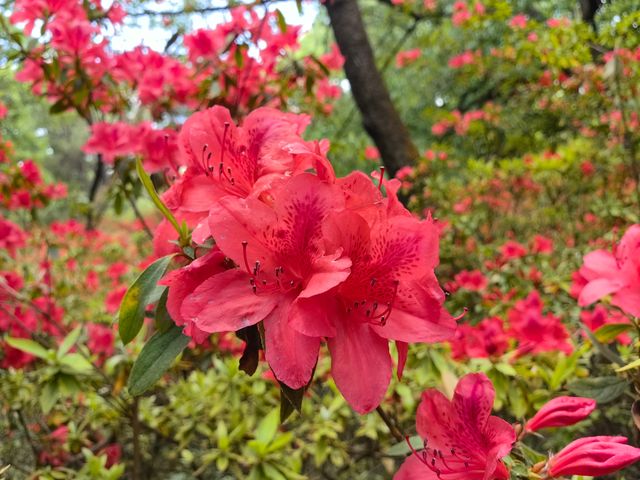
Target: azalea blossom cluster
[[310, 256], [463, 441], [31, 300], [75, 65]]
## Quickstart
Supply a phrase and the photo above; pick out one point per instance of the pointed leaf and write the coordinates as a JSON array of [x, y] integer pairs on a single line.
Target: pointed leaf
[[155, 358], [68, 342], [144, 291], [601, 389], [609, 332], [267, 428], [28, 346], [151, 190]]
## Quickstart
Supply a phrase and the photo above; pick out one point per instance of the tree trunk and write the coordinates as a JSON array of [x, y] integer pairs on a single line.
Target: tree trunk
[[379, 116]]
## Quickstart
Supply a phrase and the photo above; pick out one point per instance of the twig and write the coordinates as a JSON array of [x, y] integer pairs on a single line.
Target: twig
[[27, 434], [393, 429]]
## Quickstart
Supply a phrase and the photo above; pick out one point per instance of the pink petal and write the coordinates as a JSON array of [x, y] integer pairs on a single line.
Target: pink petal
[[596, 289], [414, 469], [183, 281], [238, 220], [502, 437], [314, 316], [628, 299], [225, 302], [600, 263], [329, 271], [360, 364], [198, 193], [417, 314], [291, 355], [473, 400], [435, 419]]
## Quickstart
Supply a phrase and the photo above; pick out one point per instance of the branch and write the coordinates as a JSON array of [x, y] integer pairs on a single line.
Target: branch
[[393, 429], [98, 176], [379, 116]]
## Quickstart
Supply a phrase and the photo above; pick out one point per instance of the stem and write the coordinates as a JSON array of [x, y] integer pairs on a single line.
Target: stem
[[393, 429], [135, 425], [139, 216], [27, 434]]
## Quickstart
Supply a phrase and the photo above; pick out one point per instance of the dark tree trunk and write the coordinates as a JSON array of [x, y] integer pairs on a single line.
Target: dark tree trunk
[[589, 8], [379, 116]]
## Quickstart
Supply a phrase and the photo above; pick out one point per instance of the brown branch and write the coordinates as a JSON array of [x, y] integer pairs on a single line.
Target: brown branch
[[379, 116], [393, 429]]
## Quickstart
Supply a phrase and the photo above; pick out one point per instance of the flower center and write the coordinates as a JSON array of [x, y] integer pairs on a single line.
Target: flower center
[[372, 309], [266, 283], [442, 463]]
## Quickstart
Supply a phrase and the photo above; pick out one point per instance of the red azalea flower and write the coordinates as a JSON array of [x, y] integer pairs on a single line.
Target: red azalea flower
[[473, 280], [486, 339], [225, 159], [282, 259], [462, 440], [101, 339], [616, 274], [542, 244], [537, 332], [511, 250]]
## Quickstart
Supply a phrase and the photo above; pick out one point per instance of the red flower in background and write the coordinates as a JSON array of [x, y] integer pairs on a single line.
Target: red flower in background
[[484, 340], [473, 280], [462, 440], [512, 250], [542, 244], [12, 237], [537, 332]]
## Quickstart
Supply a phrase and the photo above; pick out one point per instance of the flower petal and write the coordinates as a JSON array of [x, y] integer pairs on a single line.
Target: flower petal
[[360, 364], [225, 302], [291, 355]]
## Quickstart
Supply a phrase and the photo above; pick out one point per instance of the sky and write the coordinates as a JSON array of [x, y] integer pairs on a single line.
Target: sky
[[129, 37]]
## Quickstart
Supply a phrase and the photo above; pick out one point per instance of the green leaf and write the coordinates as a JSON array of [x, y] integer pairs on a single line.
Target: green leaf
[[282, 23], [68, 342], [601, 389], [609, 332], [401, 449], [59, 107], [162, 318], [77, 362], [155, 358], [151, 190], [49, 396], [267, 428], [144, 291], [28, 346]]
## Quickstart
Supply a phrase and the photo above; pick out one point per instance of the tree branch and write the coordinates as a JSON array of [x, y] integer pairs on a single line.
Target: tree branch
[[379, 116]]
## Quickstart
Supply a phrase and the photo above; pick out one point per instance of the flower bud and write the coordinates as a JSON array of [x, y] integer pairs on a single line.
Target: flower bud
[[561, 412], [593, 456]]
